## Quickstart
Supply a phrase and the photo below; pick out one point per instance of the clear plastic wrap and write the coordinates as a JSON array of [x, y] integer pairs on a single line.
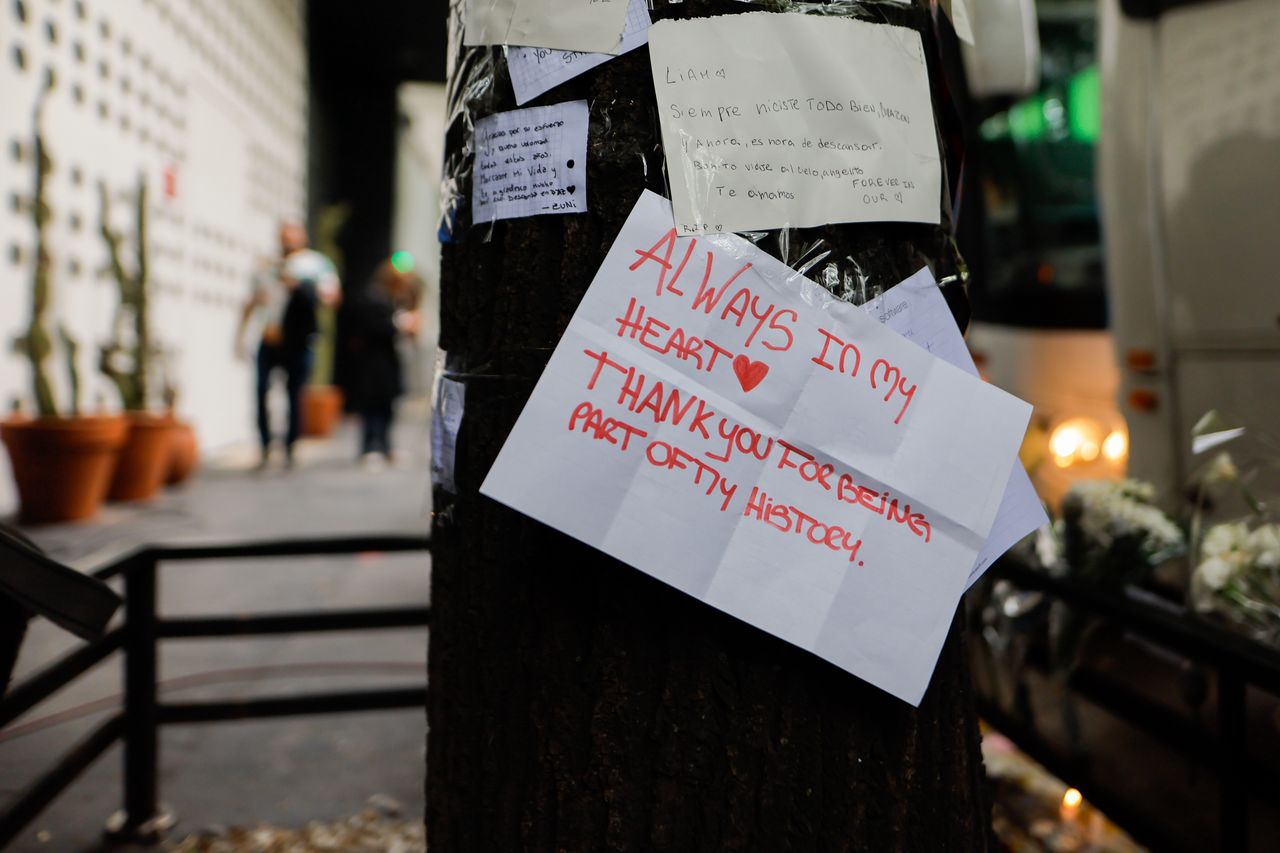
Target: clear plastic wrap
[[854, 262]]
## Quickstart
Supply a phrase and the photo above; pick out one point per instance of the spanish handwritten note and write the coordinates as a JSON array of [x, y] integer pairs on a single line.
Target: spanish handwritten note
[[721, 423], [535, 70], [529, 162], [776, 120], [586, 25], [915, 309]]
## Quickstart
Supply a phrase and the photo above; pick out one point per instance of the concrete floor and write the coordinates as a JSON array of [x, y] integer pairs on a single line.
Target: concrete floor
[[284, 771]]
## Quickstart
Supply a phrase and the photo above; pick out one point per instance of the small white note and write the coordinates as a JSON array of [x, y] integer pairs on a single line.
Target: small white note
[[959, 10], [535, 70], [587, 25], [445, 422], [530, 162]]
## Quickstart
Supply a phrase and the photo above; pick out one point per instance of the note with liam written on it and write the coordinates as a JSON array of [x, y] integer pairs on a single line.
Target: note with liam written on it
[[535, 70], [721, 423], [587, 25], [790, 120], [529, 162], [915, 309]]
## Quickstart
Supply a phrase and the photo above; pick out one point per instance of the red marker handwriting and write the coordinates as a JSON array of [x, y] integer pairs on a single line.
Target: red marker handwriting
[[658, 336], [789, 518], [588, 419], [848, 360], [750, 373], [742, 305], [662, 404], [660, 454]]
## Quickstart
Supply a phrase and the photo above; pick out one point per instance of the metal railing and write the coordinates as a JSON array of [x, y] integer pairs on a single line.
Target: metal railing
[[1237, 663], [138, 638]]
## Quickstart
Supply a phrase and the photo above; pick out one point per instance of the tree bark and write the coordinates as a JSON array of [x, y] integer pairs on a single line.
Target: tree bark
[[576, 704]]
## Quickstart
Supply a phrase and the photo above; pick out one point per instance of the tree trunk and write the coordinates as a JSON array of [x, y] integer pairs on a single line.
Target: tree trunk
[[13, 627], [575, 703]]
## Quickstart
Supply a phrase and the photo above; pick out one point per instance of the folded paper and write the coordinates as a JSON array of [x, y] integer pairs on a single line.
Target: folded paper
[[725, 425], [535, 70], [586, 25]]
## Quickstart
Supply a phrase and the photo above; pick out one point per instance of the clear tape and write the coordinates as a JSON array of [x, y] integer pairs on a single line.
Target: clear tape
[[854, 269]]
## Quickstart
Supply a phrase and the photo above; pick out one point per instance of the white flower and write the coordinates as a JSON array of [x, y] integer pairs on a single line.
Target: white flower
[[1221, 469], [1110, 511], [1048, 550], [1215, 572], [1222, 539], [1265, 545]]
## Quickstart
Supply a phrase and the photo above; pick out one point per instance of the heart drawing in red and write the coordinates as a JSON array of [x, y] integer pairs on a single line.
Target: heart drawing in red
[[750, 373]]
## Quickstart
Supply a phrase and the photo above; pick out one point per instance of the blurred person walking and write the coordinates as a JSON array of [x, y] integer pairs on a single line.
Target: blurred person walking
[[284, 300], [386, 309]]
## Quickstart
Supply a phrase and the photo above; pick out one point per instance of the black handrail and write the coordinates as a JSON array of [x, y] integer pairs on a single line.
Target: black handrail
[[1238, 662], [138, 638]]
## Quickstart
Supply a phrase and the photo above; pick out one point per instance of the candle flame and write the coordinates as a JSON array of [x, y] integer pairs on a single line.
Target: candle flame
[[1071, 798]]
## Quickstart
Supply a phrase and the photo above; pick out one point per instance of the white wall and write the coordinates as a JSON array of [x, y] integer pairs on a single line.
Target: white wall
[[419, 164], [211, 92]]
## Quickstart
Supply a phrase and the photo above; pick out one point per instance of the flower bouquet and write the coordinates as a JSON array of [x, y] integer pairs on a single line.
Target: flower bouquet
[[1238, 578]]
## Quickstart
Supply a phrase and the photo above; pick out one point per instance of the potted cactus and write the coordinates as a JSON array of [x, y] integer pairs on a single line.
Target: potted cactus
[[126, 359], [62, 461], [321, 399]]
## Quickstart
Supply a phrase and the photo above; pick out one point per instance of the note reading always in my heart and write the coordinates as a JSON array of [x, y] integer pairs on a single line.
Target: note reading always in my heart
[[725, 425]]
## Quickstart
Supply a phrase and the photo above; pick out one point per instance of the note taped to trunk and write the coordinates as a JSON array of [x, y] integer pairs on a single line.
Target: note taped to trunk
[[530, 162], [725, 425], [789, 120], [587, 25]]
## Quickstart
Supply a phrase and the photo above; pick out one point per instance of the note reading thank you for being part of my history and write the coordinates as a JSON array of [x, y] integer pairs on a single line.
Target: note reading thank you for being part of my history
[[725, 425], [791, 120]]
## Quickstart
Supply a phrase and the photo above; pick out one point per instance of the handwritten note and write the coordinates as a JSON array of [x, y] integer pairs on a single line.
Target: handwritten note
[[586, 25], [916, 310], [446, 420], [529, 162], [721, 423], [775, 120], [535, 70]]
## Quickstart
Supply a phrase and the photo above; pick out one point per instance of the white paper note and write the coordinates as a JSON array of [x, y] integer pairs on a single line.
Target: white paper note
[[529, 162], [776, 120], [959, 11], [587, 25], [535, 70], [446, 419], [916, 309], [723, 424]]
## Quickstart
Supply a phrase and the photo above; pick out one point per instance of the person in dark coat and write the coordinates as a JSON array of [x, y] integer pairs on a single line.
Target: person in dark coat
[[376, 319]]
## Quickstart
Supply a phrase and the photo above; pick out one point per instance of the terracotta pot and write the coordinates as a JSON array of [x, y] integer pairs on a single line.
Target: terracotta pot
[[144, 459], [62, 466], [184, 453], [321, 409]]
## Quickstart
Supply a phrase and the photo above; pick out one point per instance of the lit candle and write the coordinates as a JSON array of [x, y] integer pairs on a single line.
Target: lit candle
[[1070, 807]]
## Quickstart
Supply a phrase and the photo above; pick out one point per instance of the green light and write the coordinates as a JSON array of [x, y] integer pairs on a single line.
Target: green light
[[402, 262], [1084, 109], [1026, 119]]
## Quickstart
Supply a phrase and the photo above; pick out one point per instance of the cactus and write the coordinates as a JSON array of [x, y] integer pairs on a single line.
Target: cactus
[[329, 224], [37, 343], [127, 363]]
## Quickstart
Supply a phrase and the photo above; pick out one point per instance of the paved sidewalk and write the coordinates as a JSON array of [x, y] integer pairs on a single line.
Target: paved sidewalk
[[285, 771]]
